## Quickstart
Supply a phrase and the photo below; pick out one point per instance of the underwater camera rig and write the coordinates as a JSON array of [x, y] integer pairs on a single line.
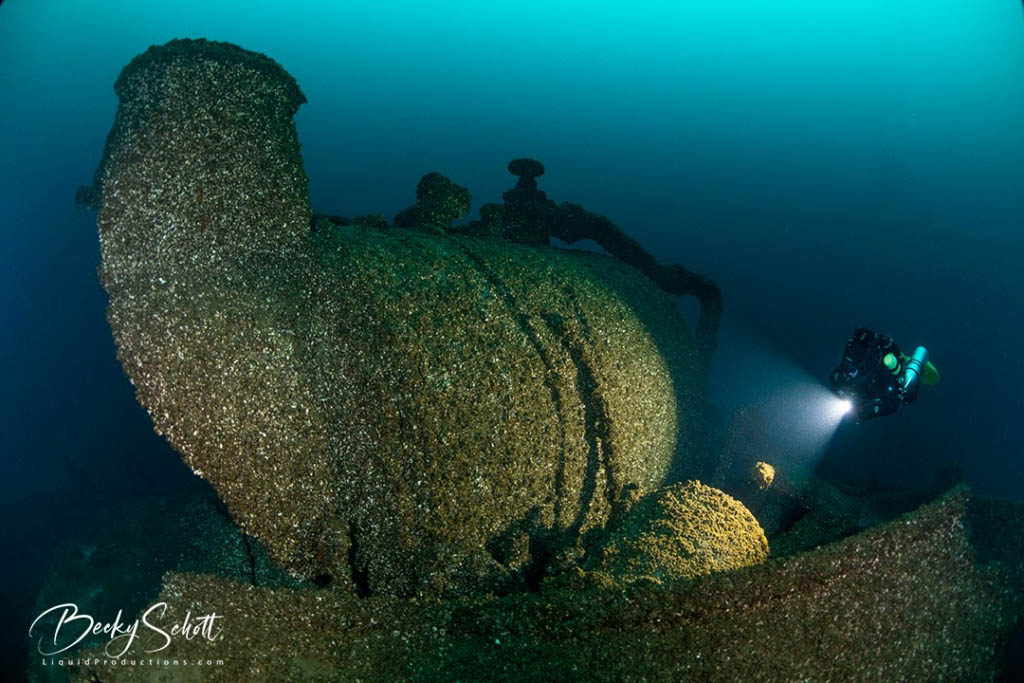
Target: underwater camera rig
[[876, 378]]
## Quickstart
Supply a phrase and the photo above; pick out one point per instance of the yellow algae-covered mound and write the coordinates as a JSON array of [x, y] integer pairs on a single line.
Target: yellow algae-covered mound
[[416, 411], [683, 531], [762, 475]]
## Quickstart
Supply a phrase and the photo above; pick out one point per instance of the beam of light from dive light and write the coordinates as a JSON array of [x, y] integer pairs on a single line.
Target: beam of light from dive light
[[838, 407], [800, 415], [806, 415]]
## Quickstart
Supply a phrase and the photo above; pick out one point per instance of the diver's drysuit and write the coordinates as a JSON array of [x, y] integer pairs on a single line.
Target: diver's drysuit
[[876, 377]]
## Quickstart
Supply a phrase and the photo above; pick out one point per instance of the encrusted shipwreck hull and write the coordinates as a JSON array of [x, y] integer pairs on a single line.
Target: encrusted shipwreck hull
[[902, 602], [413, 408]]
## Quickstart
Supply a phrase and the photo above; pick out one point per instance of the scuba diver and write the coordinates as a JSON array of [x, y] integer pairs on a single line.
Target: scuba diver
[[876, 378]]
